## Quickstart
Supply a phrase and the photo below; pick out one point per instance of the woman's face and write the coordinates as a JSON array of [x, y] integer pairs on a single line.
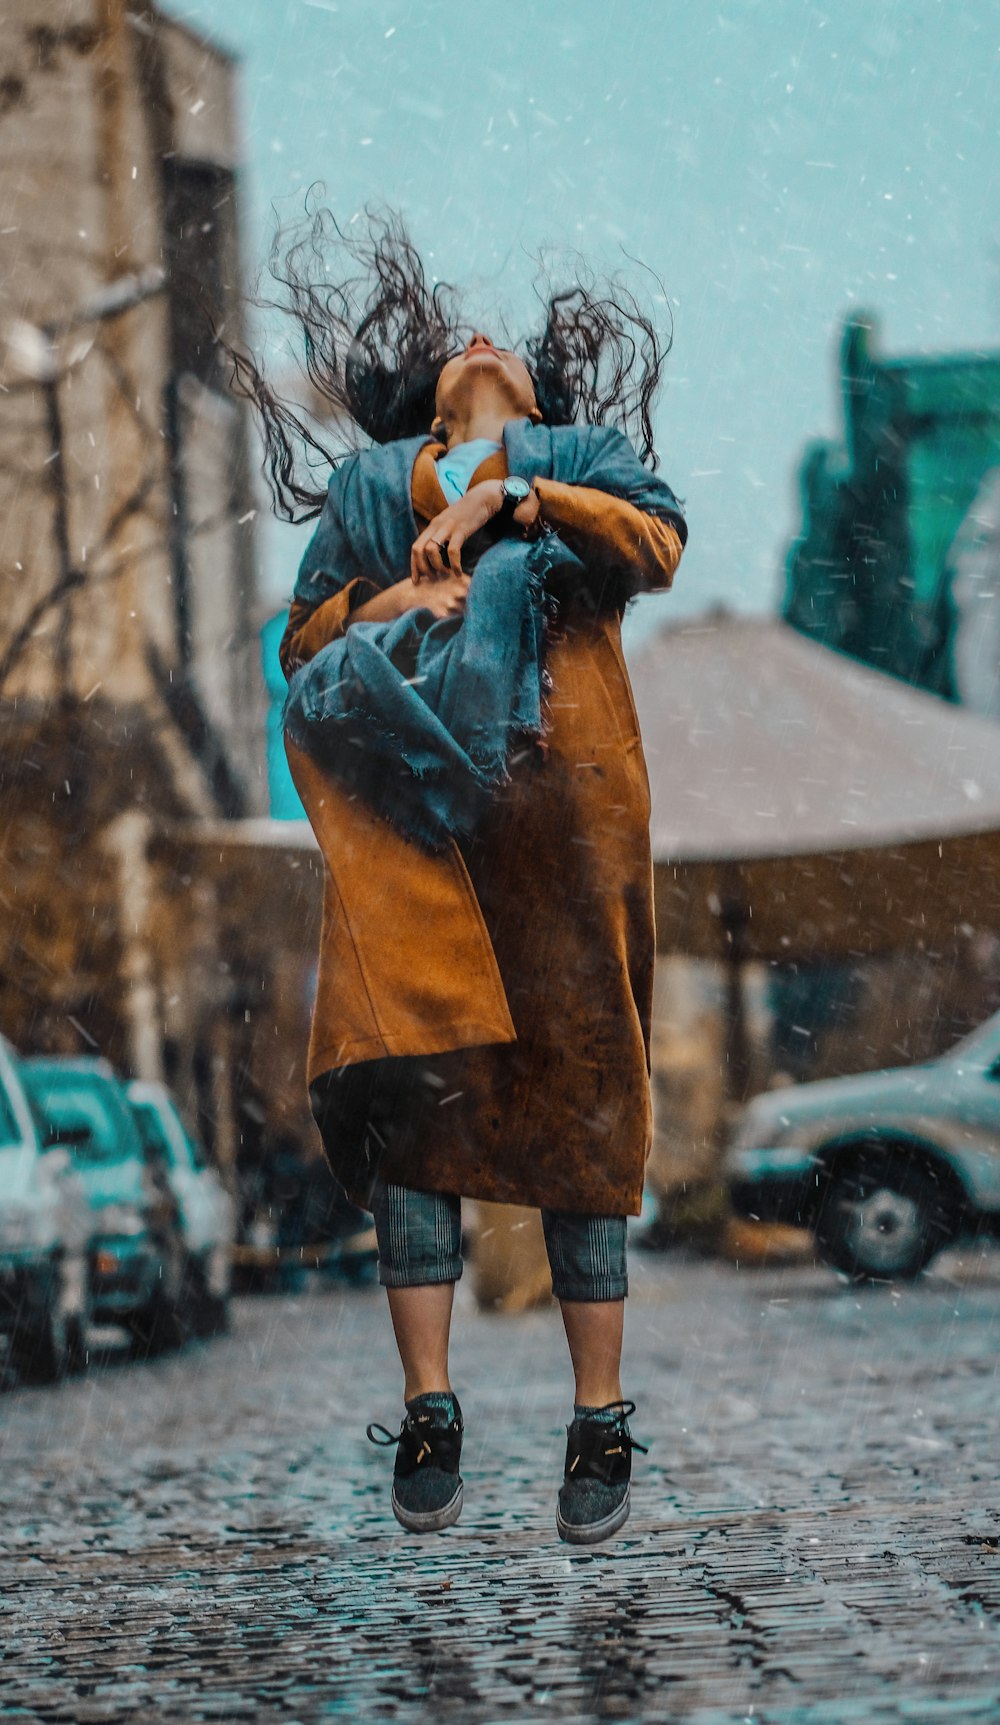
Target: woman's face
[[484, 369]]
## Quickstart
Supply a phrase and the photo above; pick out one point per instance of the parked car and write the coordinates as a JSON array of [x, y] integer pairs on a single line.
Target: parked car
[[297, 1219], [44, 1243], [137, 1255], [206, 1211], [886, 1167]]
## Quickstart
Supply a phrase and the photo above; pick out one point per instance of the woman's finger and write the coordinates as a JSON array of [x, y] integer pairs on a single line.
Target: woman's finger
[[444, 599], [425, 561], [436, 559], [418, 570], [447, 598], [455, 543]]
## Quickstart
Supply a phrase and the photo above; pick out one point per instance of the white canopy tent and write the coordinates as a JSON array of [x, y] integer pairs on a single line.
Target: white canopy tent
[[805, 804]]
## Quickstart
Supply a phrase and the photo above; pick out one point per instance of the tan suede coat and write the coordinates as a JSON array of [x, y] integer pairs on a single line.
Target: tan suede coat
[[481, 1023]]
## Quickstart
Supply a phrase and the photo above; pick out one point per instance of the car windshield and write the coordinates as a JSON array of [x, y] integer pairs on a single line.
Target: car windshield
[[10, 1132], [80, 1116], [155, 1141]]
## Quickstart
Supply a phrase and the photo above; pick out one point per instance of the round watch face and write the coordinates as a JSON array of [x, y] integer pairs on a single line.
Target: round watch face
[[516, 490]]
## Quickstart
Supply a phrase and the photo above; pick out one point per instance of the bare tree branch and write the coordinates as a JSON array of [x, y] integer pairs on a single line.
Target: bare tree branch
[[22, 635], [107, 306], [132, 505], [95, 576]]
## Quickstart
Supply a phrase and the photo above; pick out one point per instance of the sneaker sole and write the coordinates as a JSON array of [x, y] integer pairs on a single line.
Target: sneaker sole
[[429, 1520], [592, 1532]]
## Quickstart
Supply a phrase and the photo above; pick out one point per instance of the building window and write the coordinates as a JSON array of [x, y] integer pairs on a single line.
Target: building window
[[199, 208]]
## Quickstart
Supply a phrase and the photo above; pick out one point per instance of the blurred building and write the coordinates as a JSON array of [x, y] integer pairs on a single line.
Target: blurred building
[[870, 573], [898, 564], [144, 910], [118, 159], [974, 566], [285, 802]]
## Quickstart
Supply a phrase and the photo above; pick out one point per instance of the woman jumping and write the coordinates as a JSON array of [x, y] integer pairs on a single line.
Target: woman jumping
[[461, 731]]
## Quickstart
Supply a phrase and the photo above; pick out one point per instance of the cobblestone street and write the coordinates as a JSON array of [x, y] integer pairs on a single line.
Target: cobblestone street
[[815, 1533]]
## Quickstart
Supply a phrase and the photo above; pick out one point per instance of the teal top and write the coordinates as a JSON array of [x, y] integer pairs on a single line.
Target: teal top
[[456, 467]]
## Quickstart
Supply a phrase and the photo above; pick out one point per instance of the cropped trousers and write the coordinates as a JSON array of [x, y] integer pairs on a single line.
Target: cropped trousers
[[420, 1242]]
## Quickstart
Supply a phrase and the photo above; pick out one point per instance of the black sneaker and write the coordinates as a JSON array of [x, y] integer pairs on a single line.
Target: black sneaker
[[595, 1497], [426, 1485]]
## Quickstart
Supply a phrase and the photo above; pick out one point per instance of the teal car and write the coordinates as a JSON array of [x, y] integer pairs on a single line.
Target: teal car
[[137, 1252], [887, 1167], [206, 1212]]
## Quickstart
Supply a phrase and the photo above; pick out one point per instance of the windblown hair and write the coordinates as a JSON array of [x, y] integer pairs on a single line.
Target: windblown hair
[[376, 336]]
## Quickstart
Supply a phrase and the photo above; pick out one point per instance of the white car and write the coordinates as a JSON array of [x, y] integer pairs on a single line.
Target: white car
[[207, 1211], [886, 1167], [45, 1229]]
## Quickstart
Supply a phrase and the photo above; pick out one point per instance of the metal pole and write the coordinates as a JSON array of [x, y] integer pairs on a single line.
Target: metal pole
[[734, 918], [68, 576]]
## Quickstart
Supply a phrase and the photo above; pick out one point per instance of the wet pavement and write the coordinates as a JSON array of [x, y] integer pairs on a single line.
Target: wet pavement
[[815, 1535]]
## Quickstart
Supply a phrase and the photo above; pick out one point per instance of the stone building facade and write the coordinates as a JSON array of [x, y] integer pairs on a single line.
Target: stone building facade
[[118, 161], [142, 910]]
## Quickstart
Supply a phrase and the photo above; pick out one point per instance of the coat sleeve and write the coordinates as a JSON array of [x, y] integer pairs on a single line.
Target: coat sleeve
[[327, 587], [311, 627], [640, 550]]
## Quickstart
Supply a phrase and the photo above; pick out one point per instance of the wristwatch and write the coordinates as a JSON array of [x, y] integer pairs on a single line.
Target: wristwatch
[[514, 492]]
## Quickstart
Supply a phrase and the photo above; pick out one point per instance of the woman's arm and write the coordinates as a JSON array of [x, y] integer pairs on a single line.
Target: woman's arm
[[312, 627], [615, 536], [443, 598], [639, 551]]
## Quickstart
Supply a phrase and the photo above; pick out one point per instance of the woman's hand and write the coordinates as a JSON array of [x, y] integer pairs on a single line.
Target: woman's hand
[[438, 551], [443, 598]]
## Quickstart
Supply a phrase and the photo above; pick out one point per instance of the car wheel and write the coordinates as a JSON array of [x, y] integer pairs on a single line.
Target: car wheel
[[884, 1217], [209, 1311], [77, 1347], [155, 1329], [40, 1348], [78, 1321], [215, 1315]]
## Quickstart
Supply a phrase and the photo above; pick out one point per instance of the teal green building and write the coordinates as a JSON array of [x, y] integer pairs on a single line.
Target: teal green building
[[869, 573], [284, 798]]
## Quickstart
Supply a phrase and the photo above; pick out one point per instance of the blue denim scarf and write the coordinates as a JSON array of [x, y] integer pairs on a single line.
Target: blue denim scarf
[[419, 715]]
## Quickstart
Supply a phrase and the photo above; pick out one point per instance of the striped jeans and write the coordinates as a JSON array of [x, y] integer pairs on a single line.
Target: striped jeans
[[420, 1241]]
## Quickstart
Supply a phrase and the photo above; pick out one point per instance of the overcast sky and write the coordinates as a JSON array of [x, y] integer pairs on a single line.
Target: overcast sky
[[776, 162]]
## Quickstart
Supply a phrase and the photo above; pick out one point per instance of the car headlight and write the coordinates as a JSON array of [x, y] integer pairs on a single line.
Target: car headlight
[[19, 1227], [125, 1220]]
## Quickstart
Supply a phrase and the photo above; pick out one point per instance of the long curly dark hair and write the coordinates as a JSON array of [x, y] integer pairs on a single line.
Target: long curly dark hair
[[376, 336]]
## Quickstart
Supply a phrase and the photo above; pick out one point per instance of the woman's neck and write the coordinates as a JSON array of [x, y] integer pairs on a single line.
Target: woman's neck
[[485, 418], [485, 425]]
